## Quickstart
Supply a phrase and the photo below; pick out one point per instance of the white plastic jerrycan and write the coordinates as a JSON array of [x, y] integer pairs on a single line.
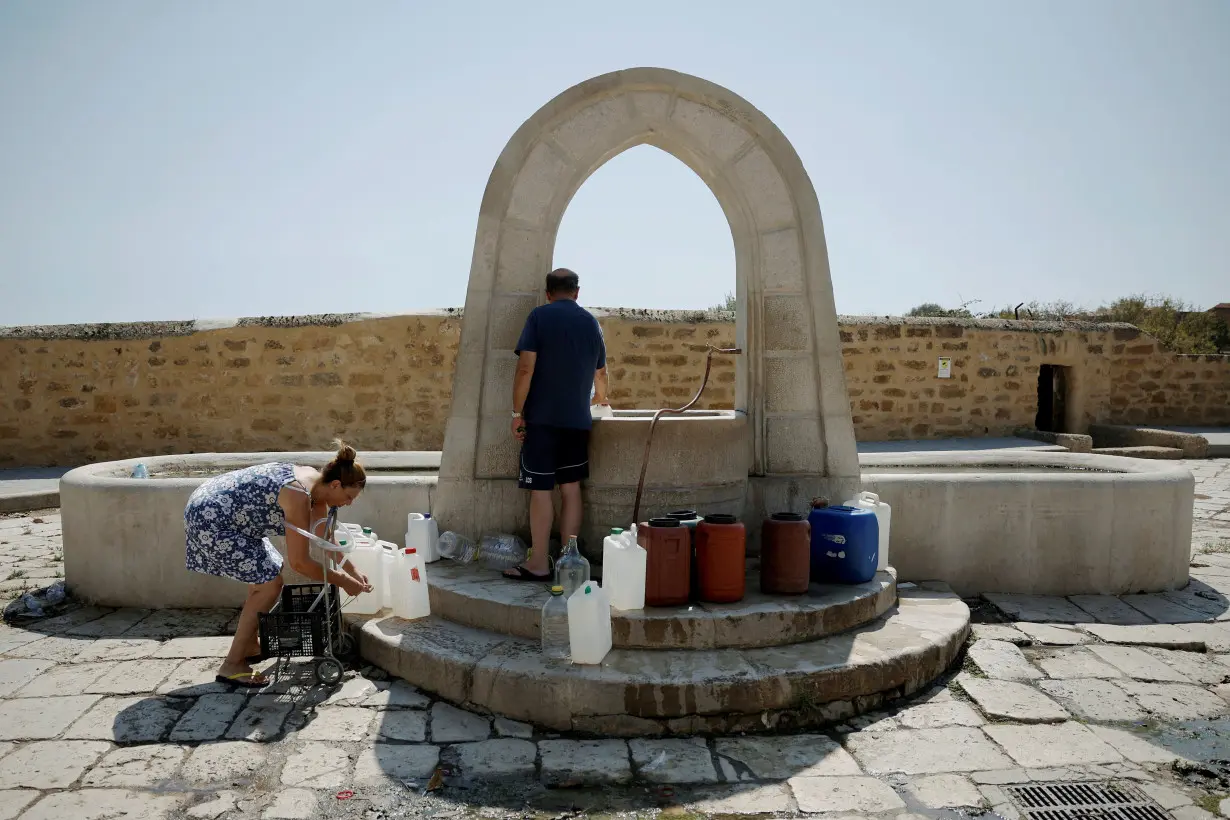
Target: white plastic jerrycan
[[624, 564], [409, 587], [423, 534], [389, 558], [884, 514], [589, 624], [366, 559]]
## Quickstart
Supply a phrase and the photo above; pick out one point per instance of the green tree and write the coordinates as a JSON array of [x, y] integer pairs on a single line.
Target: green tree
[[934, 310]]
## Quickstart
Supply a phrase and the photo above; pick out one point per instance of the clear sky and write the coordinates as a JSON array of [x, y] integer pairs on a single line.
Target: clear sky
[[166, 159]]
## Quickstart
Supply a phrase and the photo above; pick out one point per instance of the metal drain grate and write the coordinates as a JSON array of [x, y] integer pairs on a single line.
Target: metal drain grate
[[1084, 801]]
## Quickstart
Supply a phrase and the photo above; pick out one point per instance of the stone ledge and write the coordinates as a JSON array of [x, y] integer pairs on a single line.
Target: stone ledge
[[472, 597], [672, 691]]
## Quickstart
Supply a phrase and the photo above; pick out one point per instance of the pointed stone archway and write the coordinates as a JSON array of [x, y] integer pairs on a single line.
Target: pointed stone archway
[[791, 384]]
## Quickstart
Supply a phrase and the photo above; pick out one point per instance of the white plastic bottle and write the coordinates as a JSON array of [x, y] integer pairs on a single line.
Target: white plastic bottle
[[411, 597], [884, 517], [589, 624], [390, 557], [366, 559], [624, 565], [423, 534]]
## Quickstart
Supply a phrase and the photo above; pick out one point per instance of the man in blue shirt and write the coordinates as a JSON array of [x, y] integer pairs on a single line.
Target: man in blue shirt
[[561, 367]]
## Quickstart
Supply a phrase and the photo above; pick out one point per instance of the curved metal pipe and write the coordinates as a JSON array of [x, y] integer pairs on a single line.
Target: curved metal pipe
[[640, 484]]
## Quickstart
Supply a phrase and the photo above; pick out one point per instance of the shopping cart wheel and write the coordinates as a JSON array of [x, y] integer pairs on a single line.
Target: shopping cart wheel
[[346, 646], [328, 671]]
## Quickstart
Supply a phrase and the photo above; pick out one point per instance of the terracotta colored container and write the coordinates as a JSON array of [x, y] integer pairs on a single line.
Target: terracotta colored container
[[785, 554], [721, 559], [668, 565]]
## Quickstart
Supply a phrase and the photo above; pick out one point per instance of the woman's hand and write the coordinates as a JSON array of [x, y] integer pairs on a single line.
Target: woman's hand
[[353, 586]]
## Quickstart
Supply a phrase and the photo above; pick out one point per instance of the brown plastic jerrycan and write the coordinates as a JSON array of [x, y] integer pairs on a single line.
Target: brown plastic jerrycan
[[785, 554], [668, 567], [721, 559]]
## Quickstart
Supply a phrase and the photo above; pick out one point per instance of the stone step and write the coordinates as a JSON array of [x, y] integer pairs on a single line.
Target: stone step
[[480, 598], [642, 691], [1141, 451]]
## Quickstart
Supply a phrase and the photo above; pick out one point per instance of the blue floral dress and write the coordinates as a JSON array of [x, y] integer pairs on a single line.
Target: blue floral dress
[[228, 519]]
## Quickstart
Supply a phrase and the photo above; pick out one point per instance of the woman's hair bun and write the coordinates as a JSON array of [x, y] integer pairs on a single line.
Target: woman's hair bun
[[345, 453]]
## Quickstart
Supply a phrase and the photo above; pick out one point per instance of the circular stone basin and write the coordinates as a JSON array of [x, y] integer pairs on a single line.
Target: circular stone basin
[[480, 598], [1036, 522]]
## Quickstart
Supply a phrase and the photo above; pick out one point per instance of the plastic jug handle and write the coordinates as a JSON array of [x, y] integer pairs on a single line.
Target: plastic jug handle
[[869, 496]]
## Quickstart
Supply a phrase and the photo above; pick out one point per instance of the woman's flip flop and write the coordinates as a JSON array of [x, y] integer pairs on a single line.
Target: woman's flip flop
[[524, 574], [237, 680]]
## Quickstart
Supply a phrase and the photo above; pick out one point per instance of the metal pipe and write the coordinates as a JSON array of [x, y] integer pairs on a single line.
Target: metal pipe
[[640, 484]]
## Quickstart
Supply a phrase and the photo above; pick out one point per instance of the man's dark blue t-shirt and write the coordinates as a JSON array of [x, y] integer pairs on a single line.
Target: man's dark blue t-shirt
[[569, 347]]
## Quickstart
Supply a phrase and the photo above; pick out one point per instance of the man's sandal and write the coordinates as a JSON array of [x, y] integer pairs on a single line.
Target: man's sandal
[[524, 574]]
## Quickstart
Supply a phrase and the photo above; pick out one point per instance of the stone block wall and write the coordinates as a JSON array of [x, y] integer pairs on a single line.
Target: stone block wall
[[82, 393]]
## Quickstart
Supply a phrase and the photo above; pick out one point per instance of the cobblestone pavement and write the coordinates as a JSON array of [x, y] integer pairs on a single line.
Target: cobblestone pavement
[[114, 713]]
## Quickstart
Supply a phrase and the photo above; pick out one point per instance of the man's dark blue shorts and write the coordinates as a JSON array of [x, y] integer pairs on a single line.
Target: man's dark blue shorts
[[553, 455]]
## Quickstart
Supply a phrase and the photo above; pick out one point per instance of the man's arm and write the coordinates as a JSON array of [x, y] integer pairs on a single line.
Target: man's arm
[[600, 386], [521, 389]]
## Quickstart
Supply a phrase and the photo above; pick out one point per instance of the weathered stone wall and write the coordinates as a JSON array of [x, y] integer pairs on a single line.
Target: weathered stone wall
[[81, 393]]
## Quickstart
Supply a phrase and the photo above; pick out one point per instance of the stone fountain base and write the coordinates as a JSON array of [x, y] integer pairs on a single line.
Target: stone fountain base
[[762, 664]]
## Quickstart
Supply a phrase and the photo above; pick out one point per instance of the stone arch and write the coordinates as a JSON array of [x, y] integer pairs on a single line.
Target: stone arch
[[791, 383]]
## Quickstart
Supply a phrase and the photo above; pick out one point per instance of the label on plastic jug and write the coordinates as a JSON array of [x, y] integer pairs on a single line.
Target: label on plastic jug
[[836, 539], [414, 574]]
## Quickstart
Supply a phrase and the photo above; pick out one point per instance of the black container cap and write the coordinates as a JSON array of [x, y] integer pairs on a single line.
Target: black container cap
[[665, 521], [720, 518], [787, 516], [682, 515]]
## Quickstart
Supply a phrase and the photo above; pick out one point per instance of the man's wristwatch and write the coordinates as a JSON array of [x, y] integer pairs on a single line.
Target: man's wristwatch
[[516, 415]]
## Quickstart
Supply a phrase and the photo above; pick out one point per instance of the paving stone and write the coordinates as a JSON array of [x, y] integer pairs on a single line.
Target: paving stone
[[111, 625], [496, 758], [352, 692], [452, 725], [62, 623], [193, 678], [5, 748], [181, 623], [1002, 660], [12, 801], [41, 718], [864, 795], [1173, 701], [786, 756], [116, 649], [16, 673], [1166, 637], [1000, 632], [402, 725], [1110, 610], [1135, 746], [395, 762], [1163, 610], [225, 764], [584, 762], [1093, 699], [1191, 813], [261, 719], [11, 639], [316, 766], [49, 764], [1050, 635], [400, 695], [1009, 700], [512, 728], [292, 804], [1077, 663], [742, 798], [339, 723], [65, 679], [53, 648], [673, 760], [1136, 663], [214, 807], [133, 677], [208, 717], [1195, 666], [935, 715], [142, 767], [212, 647], [1063, 744], [1213, 636], [1165, 796], [126, 720], [105, 804], [1038, 608], [944, 791], [927, 751]]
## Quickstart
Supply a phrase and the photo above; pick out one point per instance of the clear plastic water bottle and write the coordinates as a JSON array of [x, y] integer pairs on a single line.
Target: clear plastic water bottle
[[457, 548], [571, 570], [555, 639], [501, 552], [140, 471]]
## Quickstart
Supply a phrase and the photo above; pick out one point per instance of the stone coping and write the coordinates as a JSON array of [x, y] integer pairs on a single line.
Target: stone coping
[[476, 597], [977, 465], [639, 692]]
